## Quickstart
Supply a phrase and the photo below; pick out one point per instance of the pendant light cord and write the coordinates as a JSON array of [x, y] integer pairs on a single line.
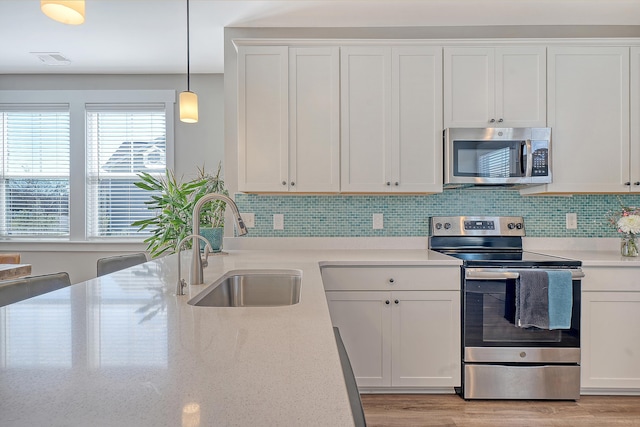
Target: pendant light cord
[[188, 67]]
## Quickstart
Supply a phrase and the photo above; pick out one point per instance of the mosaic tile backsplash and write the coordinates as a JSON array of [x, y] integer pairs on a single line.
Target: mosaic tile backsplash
[[352, 215]]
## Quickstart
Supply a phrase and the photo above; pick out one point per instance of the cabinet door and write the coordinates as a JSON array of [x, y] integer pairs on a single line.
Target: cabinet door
[[610, 340], [634, 152], [314, 134], [469, 87], [588, 107], [263, 126], [426, 339], [416, 149], [521, 85], [364, 320], [366, 117]]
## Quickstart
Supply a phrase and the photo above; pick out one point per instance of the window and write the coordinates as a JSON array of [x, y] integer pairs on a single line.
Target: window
[[121, 142], [69, 160], [34, 186]]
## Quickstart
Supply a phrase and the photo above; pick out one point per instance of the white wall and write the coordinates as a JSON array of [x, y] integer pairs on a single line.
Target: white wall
[[196, 145]]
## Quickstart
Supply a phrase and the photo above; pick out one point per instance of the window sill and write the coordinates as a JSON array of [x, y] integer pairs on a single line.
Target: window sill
[[69, 246]]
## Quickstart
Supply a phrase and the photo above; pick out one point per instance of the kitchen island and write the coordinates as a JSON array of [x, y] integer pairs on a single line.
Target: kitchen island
[[124, 350]]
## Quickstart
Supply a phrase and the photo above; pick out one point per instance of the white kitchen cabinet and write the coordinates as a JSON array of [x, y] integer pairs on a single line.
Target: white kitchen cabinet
[[398, 339], [364, 320], [288, 119], [610, 337], [634, 146], [588, 112], [263, 117], [425, 338], [391, 125], [495, 87]]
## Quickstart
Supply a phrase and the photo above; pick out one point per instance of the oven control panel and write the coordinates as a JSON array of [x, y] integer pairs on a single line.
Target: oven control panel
[[477, 226]]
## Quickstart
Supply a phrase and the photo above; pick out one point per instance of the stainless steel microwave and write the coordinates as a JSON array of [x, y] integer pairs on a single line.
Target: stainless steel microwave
[[497, 156]]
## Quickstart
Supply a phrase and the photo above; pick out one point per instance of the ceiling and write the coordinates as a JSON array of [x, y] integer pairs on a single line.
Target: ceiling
[[149, 36]]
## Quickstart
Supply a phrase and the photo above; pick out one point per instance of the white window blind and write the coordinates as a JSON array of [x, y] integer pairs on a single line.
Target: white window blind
[[122, 141], [34, 168]]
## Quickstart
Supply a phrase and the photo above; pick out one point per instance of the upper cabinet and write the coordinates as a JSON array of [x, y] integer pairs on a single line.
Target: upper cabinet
[[288, 119], [634, 146], [588, 106], [495, 87], [263, 117], [391, 127]]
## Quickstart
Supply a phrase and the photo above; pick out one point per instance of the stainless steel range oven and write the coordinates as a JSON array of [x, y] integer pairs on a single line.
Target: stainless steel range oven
[[501, 357]]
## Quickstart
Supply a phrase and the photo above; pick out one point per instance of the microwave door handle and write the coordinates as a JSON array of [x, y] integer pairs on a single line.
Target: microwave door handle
[[529, 172]]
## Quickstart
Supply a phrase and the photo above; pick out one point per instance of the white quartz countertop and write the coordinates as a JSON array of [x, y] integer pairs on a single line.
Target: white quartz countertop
[[124, 350], [593, 252]]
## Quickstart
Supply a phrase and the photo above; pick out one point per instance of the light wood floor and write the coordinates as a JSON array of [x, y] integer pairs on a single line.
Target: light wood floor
[[407, 410]]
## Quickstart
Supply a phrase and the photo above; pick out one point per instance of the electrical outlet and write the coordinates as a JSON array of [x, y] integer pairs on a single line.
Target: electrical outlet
[[278, 221], [378, 221], [572, 221], [249, 219]]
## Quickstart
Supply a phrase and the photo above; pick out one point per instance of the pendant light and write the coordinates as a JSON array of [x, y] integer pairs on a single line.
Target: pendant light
[[65, 11], [188, 100]]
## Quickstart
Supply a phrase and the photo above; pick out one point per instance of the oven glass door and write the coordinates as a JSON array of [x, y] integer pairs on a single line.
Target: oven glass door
[[489, 318], [489, 159]]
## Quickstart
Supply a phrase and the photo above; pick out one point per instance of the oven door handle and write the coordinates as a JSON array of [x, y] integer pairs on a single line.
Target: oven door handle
[[504, 274]]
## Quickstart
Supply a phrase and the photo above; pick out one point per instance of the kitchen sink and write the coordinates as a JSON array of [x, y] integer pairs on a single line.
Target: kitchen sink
[[252, 288]]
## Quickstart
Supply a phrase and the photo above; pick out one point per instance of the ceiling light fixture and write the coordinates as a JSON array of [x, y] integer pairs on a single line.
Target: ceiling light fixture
[[188, 99], [68, 12]]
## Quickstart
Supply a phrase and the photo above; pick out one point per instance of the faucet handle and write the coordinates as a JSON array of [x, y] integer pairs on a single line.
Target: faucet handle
[[205, 260]]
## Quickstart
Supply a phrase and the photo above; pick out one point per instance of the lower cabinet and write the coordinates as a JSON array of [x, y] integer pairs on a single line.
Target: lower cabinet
[[401, 339], [609, 331]]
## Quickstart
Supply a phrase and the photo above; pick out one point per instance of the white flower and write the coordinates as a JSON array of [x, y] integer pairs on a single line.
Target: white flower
[[629, 224]]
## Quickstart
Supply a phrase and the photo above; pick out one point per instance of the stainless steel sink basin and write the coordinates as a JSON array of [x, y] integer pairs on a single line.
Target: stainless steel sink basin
[[252, 288]]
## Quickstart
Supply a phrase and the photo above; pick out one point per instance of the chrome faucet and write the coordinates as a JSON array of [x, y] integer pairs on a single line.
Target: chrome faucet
[[207, 248], [196, 262]]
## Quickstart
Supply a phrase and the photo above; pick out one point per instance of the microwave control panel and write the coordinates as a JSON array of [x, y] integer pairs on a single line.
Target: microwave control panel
[[540, 157]]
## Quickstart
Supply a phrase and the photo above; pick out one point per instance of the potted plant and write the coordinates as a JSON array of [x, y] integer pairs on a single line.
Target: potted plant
[[173, 202], [212, 213]]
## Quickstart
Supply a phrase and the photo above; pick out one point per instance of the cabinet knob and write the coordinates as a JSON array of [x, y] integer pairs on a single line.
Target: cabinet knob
[[492, 121], [293, 183], [627, 183], [388, 183], [284, 182], [636, 183], [397, 301], [500, 120], [397, 183], [391, 280], [387, 302]]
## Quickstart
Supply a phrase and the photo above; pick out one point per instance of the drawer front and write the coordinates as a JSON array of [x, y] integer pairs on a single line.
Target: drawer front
[[384, 278], [611, 279]]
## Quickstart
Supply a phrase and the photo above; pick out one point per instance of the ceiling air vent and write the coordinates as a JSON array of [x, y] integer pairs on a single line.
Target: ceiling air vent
[[52, 58]]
